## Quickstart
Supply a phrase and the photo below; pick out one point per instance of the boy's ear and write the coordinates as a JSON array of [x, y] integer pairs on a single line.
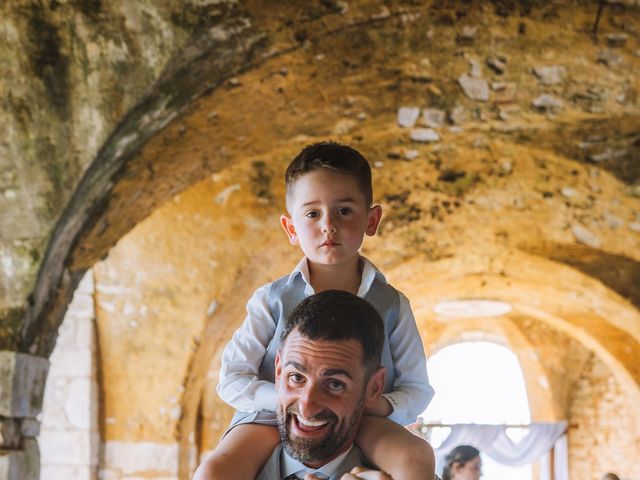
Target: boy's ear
[[375, 386], [289, 229], [375, 215]]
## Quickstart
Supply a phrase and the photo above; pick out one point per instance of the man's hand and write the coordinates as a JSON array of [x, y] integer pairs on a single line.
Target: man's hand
[[361, 473]]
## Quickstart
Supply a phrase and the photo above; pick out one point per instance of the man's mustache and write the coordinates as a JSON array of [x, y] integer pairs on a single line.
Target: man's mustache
[[323, 415]]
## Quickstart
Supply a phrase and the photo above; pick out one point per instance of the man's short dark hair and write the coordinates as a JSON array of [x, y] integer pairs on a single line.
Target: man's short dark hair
[[335, 157], [338, 315]]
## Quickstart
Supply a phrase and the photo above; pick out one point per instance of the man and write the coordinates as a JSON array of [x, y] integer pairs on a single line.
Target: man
[[327, 372]]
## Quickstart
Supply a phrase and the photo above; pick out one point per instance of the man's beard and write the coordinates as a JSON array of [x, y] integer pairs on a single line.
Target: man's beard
[[317, 450]]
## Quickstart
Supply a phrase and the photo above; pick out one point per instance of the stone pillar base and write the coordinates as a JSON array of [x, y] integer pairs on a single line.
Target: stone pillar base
[[23, 464]]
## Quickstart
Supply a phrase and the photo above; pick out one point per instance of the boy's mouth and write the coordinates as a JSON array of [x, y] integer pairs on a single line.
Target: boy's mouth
[[329, 243]]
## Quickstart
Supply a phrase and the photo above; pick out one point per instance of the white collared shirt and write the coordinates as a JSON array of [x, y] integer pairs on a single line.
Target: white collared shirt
[[291, 466], [240, 386]]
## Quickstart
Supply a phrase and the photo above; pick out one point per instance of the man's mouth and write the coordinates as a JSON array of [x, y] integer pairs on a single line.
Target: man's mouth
[[308, 425]]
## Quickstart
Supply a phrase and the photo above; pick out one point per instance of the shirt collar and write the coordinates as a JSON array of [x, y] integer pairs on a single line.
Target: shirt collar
[[291, 466], [369, 274]]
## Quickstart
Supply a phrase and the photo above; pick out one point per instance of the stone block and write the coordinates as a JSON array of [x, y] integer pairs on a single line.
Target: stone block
[[131, 458], [86, 284], [22, 380], [21, 464], [72, 362], [30, 428], [77, 405], [82, 305], [9, 433], [66, 448], [85, 335], [67, 472]]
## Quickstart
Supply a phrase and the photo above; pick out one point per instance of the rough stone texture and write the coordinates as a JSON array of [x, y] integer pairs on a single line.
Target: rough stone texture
[[61, 66], [549, 75], [603, 418], [10, 433], [424, 135], [408, 116], [474, 88], [131, 460], [23, 464], [22, 379]]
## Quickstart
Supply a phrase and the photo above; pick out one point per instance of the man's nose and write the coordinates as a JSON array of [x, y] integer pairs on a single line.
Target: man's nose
[[309, 402]]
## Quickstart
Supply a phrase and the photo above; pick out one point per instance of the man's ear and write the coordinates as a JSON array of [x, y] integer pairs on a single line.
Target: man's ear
[[289, 229], [278, 368], [375, 215], [375, 386]]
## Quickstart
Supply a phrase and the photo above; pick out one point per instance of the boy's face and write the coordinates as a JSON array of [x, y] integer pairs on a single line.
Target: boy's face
[[329, 216]]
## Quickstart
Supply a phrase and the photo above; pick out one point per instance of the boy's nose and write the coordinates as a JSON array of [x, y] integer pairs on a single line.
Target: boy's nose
[[329, 226]]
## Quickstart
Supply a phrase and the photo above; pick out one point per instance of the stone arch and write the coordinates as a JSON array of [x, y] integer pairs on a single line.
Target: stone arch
[[575, 304], [149, 156], [87, 228]]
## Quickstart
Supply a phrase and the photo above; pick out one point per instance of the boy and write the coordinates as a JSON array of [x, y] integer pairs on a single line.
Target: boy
[[329, 201]]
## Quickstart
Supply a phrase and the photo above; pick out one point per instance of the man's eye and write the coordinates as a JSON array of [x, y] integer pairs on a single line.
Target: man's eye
[[336, 386], [296, 378]]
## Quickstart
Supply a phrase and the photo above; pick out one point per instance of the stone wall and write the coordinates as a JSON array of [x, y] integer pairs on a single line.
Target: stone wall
[[69, 437], [602, 438]]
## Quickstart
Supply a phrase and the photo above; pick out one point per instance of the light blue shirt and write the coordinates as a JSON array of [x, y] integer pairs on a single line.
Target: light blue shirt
[[241, 386], [291, 466]]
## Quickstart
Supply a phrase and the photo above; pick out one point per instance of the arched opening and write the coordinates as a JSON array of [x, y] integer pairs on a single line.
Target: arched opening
[[479, 382]]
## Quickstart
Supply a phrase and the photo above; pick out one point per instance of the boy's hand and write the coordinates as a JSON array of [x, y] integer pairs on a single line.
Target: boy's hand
[[361, 473], [382, 408]]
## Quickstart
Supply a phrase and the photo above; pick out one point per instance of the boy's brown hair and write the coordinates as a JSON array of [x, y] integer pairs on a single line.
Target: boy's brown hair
[[335, 157]]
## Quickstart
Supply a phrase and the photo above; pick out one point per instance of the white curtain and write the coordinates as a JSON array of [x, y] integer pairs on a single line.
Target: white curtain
[[493, 440], [560, 463]]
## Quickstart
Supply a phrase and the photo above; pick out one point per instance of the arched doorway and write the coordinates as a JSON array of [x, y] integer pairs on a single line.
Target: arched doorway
[[479, 382]]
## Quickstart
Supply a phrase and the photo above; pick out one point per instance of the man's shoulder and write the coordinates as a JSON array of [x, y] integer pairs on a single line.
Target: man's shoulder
[[271, 469], [355, 458]]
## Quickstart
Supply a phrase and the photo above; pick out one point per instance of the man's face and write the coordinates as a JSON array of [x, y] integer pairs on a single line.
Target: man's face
[[329, 217], [322, 393]]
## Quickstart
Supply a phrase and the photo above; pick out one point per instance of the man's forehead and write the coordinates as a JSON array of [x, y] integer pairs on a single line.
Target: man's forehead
[[331, 354]]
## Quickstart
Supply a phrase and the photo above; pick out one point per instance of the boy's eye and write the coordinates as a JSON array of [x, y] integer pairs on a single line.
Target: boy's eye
[[344, 211], [311, 214]]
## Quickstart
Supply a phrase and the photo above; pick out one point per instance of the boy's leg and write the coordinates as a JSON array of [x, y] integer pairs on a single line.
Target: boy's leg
[[395, 449], [241, 454]]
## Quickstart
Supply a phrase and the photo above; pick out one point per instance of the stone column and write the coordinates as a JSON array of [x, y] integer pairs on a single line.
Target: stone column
[[22, 380], [69, 438]]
